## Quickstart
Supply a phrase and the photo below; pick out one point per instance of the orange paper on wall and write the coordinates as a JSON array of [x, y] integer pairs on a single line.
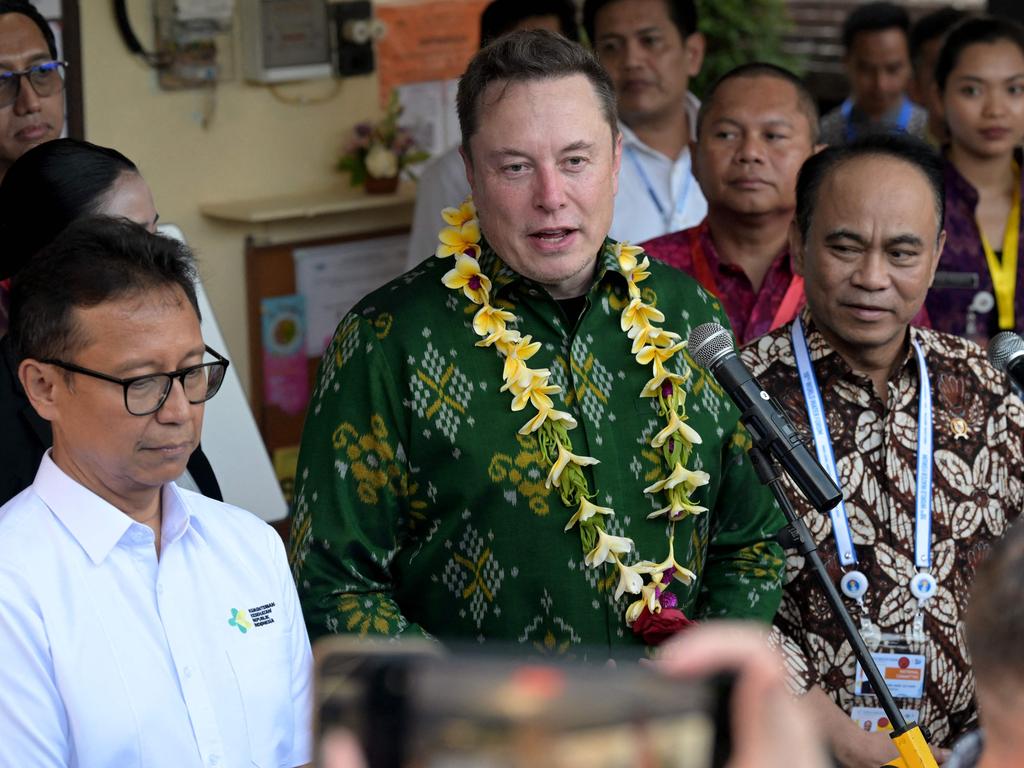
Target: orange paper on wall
[[426, 41]]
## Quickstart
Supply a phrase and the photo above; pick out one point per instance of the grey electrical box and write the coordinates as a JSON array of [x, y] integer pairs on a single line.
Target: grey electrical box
[[284, 40]]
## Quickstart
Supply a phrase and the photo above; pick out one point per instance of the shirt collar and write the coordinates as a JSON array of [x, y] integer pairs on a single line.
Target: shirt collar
[[94, 523], [822, 351], [503, 276]]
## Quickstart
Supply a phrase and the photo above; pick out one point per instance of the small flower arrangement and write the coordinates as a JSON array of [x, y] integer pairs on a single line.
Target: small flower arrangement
[[380, 150]]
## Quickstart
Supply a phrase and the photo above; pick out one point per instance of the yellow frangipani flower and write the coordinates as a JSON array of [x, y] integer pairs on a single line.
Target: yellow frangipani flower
[[680, 427], [586, 511], [630, 578], [662, 379], [678, 509], [545, 415], [626, 255], [536, 392], [607, 548], [565, 458], [669, 565], [521, 351], [459, 241], [489, 320], [467, 276], [690, 479], [651, 353], [639, 315], [651, 335], [637, 275], [456, 217]]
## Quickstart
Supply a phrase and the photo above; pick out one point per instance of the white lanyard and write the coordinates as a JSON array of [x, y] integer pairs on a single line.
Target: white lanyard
[[922, 585], [667, 218]]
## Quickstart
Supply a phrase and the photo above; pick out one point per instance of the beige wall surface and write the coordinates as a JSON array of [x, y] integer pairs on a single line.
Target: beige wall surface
[[255, 146]]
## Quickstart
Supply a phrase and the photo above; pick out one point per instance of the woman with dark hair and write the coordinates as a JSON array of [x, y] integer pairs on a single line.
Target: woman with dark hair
[[46, 189], [980, 77]]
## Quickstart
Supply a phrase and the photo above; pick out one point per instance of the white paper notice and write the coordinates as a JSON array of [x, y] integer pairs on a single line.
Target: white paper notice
[[428, 111], [332, 278]]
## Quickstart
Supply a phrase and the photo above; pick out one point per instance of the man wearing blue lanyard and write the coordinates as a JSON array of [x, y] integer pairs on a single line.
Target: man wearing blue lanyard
[[651, 49], [877, 62], [922, 434]]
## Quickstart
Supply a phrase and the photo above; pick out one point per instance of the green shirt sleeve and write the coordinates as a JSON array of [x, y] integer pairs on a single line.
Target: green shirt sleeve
[[352, 499], [745, 565]]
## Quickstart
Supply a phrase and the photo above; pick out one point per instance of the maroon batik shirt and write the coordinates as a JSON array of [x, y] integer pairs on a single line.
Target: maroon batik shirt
[[978, 432], [750, 313]]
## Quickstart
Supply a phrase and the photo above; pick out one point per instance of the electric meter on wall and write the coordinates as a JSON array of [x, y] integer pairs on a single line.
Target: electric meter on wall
[[284, 40]]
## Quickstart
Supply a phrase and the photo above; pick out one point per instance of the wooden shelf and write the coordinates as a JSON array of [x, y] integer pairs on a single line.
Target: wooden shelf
[[329, 202]]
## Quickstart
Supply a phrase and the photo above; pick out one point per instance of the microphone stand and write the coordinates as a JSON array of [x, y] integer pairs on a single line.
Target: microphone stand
[[909, 739]]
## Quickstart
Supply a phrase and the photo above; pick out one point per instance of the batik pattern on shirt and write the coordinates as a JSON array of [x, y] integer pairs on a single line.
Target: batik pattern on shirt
[[750, 312], [420, 509], [977, 491]]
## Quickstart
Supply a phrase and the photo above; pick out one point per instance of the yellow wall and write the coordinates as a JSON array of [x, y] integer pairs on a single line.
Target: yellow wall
[[256, 146]]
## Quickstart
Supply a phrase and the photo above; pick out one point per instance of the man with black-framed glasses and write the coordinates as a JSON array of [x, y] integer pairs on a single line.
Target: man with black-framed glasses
[[31, 81], [140, 623]]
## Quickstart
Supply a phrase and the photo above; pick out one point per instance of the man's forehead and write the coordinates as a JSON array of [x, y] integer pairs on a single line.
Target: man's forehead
[[764, 95], [841, 194], [21, 39]]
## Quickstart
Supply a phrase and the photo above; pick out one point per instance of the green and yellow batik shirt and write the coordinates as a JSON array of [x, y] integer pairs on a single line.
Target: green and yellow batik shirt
[[420, 509]]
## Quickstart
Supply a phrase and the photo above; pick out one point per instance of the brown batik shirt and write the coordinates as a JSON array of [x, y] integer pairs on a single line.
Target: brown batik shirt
[[977, 491]]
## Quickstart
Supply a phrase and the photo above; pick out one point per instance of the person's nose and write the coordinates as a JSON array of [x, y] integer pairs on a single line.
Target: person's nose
[[549, 189], [994, 104], [27, 102], [632, 54], [176, 408], [872, 272], [751, 149]]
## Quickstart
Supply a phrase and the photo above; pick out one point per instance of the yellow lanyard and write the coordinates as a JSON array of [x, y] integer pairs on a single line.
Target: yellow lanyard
[[1004, 271]]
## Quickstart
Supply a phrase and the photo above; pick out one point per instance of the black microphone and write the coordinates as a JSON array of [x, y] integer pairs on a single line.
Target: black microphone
[[711, 346], [1006, 353]]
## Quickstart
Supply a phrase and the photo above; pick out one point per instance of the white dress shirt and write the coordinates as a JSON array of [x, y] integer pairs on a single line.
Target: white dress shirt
[[112, 657], [657, 194]]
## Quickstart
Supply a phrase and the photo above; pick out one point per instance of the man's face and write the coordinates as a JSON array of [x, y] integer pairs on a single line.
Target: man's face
[[753, 140], [878, 65], [32, 119], [871, 252], [110, 451], [544, 171], [648, 60]]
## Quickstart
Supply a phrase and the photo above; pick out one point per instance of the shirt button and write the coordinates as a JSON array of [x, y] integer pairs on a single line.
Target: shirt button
[[187, 672], [159, 589], [214, 759]]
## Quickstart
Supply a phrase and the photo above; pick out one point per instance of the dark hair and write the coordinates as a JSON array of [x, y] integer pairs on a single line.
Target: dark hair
[[525, 56], [930, 27], [94, 260], [501, 15], [46, 189], [805, 100], [683, 14], [874, 17], [980, 29], [26, 8], [995, 612], [898, 146]]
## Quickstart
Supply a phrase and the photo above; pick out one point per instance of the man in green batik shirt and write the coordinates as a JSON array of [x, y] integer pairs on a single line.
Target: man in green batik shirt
[[423, 498]]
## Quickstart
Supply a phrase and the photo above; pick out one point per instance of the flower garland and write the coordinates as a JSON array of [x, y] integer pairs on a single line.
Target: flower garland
[[653, 614]]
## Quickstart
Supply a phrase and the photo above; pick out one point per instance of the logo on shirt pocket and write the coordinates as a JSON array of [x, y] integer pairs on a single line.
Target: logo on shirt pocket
[[241, 620]]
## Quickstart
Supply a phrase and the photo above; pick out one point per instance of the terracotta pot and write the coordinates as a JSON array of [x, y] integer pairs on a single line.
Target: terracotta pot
[[375, 186]]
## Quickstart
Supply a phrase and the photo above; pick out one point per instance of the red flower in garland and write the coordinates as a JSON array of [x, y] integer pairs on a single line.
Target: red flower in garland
[[656, 628]]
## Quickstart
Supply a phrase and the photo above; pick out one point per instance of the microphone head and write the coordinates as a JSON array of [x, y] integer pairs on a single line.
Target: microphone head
[[1003, 348], [708, 343]]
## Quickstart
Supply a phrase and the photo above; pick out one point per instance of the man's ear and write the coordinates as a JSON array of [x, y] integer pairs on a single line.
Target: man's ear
[[939, 245], [796, 248], [616, 161], [695, 45], [41, 383]]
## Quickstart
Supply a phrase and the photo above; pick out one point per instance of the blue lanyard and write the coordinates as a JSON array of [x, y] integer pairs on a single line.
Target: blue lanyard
[[680, 198], [823, 446], [901, 122]]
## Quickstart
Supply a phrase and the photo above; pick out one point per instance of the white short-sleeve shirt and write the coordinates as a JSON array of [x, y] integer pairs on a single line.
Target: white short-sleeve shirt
[[110, 656]]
